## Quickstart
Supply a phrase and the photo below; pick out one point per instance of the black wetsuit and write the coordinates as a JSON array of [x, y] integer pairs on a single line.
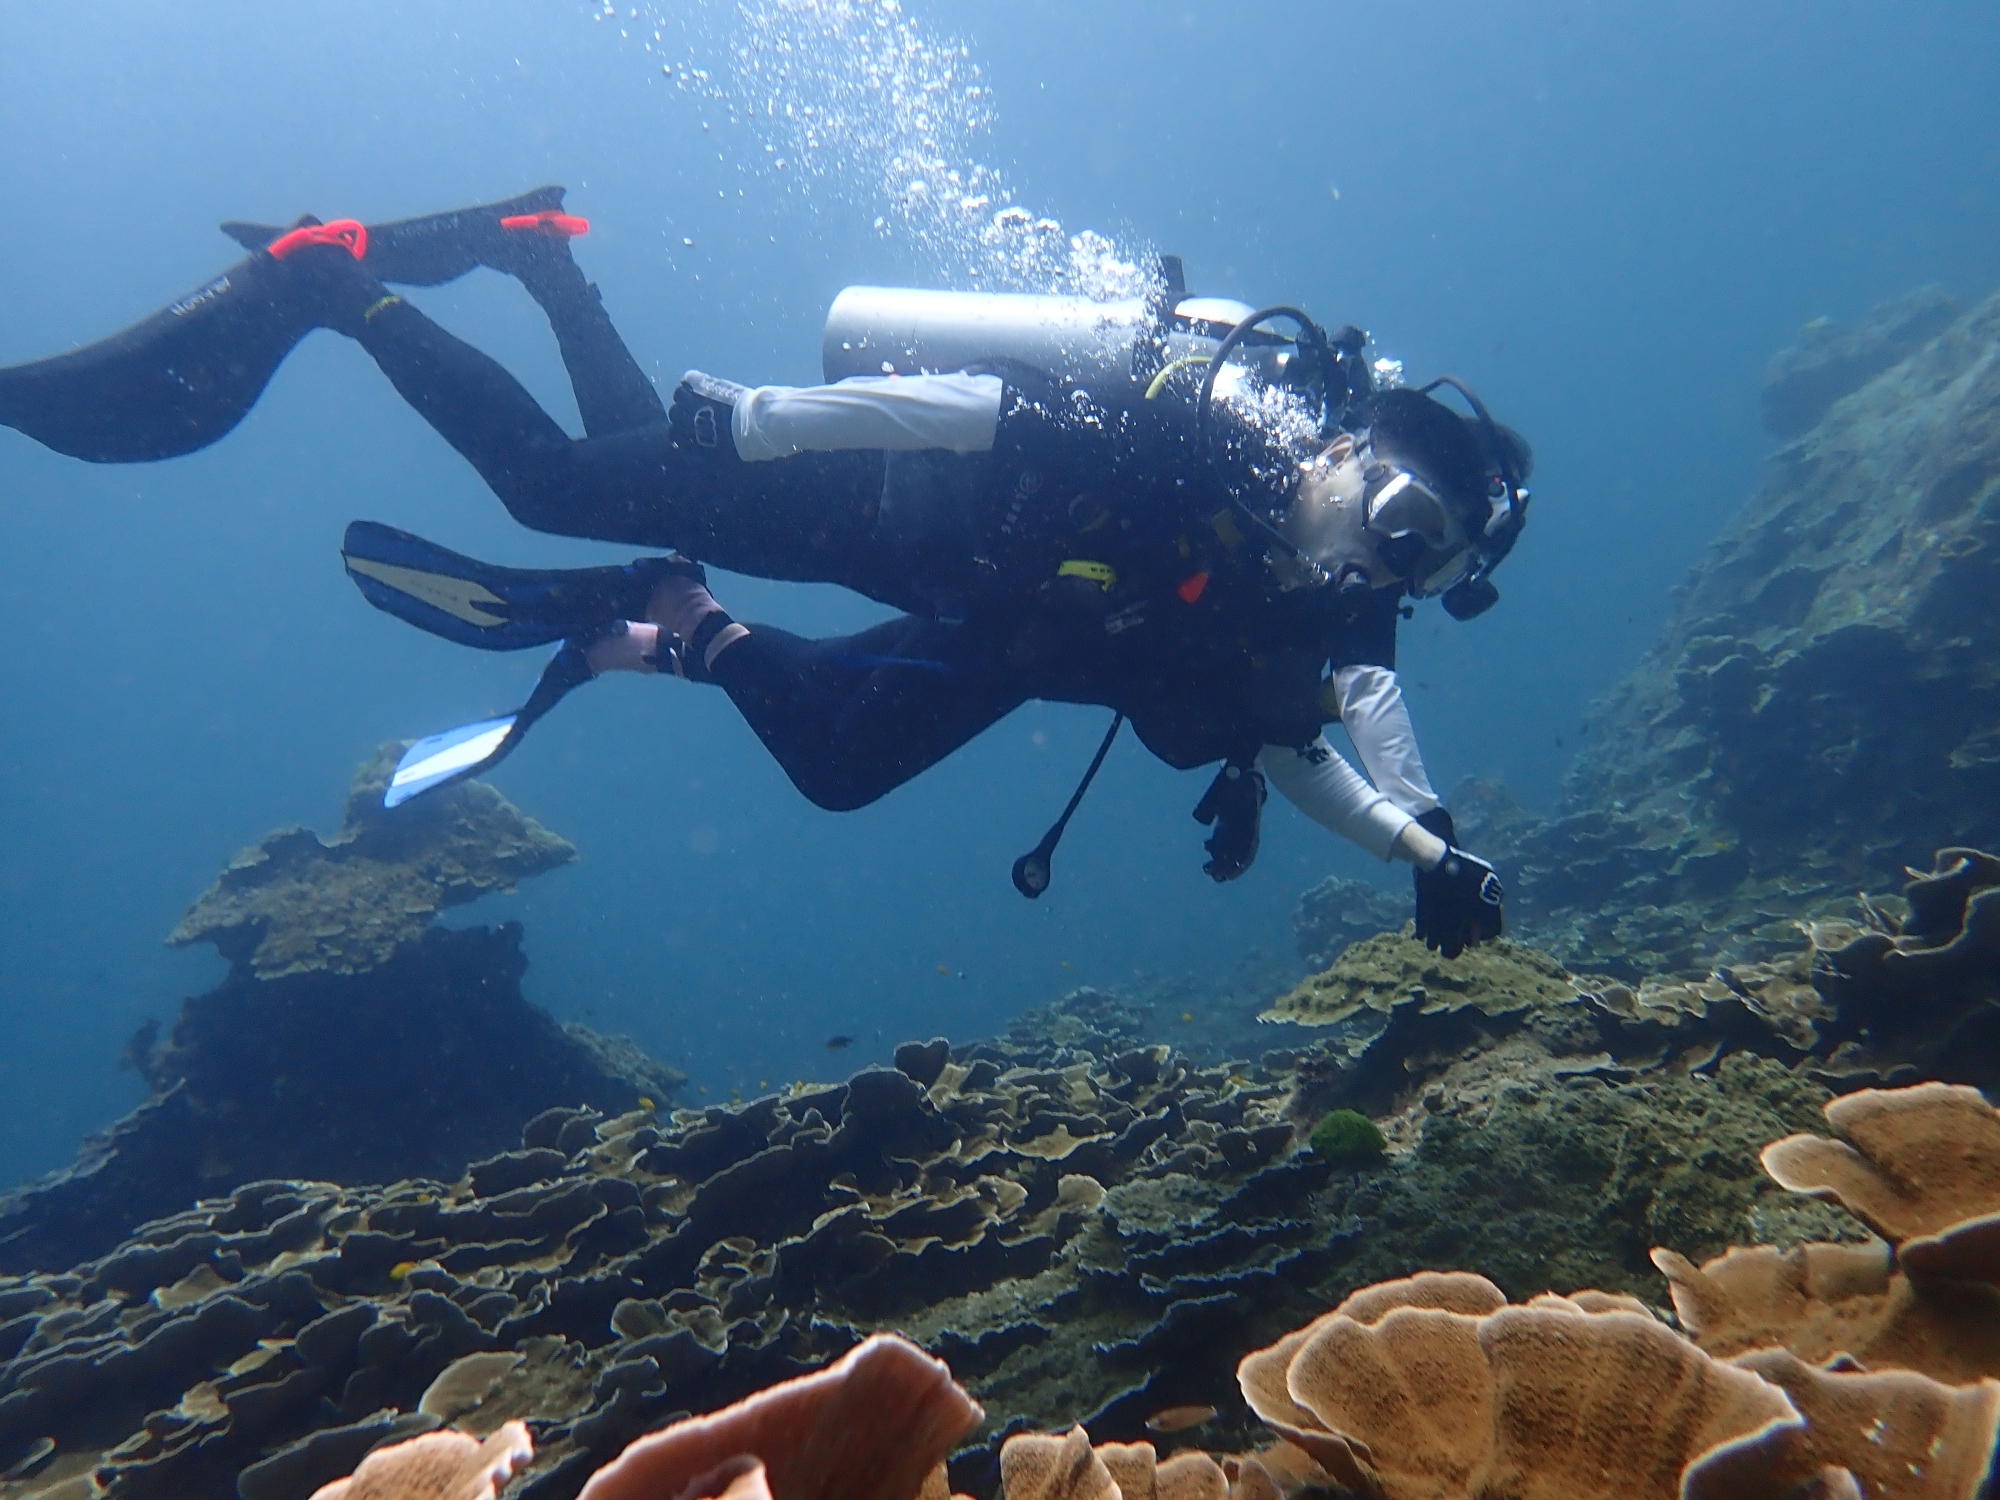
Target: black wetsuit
[[1171, 619], [1189, 641]]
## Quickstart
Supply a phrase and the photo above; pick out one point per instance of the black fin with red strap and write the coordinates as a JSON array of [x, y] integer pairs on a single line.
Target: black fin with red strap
[[437, 248]]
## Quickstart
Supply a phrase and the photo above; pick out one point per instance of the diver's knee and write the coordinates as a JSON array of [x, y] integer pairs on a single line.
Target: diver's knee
[[834, 793]]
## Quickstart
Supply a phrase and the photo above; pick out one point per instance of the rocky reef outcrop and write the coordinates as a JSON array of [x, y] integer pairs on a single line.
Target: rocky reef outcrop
[[351, 1041], [298, 904], [1830, 362], [1339, 911], [1822, 708]]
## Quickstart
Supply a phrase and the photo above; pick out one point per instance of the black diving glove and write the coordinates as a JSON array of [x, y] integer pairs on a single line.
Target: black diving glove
[[1459, 902], [1234, 803], [703, 410]]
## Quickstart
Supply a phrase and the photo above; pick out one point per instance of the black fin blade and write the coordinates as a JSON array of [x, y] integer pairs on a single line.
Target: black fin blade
[[169, 385]]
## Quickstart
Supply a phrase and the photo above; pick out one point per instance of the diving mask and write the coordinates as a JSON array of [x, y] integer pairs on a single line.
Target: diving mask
[[1364, 523]]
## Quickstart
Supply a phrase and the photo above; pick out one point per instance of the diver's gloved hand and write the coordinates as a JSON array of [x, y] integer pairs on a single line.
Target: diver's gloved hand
[[1458, 902], [1234, 803], [703, 410]]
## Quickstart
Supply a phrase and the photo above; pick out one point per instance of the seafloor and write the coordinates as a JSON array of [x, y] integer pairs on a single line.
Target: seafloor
[[1087, 1224]]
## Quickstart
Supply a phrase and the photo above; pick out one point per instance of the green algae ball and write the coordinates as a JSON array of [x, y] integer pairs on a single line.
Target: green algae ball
[[1347, 1138]]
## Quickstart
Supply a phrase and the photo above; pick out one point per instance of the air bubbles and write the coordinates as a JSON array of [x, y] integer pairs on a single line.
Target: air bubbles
[[858, 102]]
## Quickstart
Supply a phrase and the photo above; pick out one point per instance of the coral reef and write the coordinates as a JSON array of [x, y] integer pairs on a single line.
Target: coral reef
[[1923, 1170], [1830, 362], [1547, 1179], [1436, 1387], [436, 1466], [1012, 1217], [1338, 911], [351, 1041], [428, 1060], [295, 904], [1411, 1395], [1919, 1166], [877, 1423], [1822, 708]]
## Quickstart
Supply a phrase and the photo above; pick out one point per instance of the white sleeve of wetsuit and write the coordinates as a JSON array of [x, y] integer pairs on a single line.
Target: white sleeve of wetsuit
[[900, 413], [1378, 722], [1320, 783]]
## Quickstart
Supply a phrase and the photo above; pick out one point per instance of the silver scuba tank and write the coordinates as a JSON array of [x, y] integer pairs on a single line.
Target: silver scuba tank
[[1106, 347]]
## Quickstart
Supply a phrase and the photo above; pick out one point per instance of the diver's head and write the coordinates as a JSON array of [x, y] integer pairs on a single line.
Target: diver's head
[[1415, 498]]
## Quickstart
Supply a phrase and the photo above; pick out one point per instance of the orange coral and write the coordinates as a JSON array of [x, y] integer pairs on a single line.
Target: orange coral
[[873, 1425], [1920, 1166], [438, 1466], [1827, 1301], [1415, 1400], [1899, 1434], [1037, 1466]]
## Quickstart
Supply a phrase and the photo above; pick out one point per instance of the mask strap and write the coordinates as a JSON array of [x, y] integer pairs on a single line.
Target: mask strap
[[1503, 459]]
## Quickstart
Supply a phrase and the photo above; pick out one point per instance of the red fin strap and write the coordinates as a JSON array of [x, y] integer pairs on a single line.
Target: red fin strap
[[1191, 587], [350, 234], [556, 225]]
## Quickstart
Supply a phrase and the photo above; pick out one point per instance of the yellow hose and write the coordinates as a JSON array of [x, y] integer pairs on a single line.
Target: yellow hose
[[1160, 380]]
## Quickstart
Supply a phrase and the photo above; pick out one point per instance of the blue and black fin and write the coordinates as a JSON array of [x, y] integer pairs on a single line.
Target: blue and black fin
[[494, 608], [441, 759]]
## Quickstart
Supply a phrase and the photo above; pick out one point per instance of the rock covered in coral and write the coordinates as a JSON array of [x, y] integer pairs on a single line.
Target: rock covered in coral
[[1828, 362], [1379, 975], [1552, 1172], [1339, 911], [424, 1062], [351, 1041], [1822, 708], [1394, 1012], [296, 904]]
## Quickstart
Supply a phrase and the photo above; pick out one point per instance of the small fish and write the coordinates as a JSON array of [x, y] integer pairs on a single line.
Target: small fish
[[945, 969], [1187, 1015], [839, 1041], [1179, 1418], [645, 1102], [401, 1269]]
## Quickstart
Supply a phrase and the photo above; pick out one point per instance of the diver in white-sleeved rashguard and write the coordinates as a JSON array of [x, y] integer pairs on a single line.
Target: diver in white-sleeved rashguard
[[1170, 544]]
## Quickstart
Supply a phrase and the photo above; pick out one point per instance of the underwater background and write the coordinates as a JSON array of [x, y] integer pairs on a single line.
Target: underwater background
[[1606, 218]]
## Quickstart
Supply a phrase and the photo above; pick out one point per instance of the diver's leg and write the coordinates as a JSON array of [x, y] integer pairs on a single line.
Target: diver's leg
[[849, 718], [811, 518], [853, 718], [526, 237], [612, 392]]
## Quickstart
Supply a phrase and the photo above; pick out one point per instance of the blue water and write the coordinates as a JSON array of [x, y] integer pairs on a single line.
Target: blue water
[[1605, 216]]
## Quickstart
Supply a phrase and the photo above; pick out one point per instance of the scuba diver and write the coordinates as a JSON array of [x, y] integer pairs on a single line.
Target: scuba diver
[[1159, 507]]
